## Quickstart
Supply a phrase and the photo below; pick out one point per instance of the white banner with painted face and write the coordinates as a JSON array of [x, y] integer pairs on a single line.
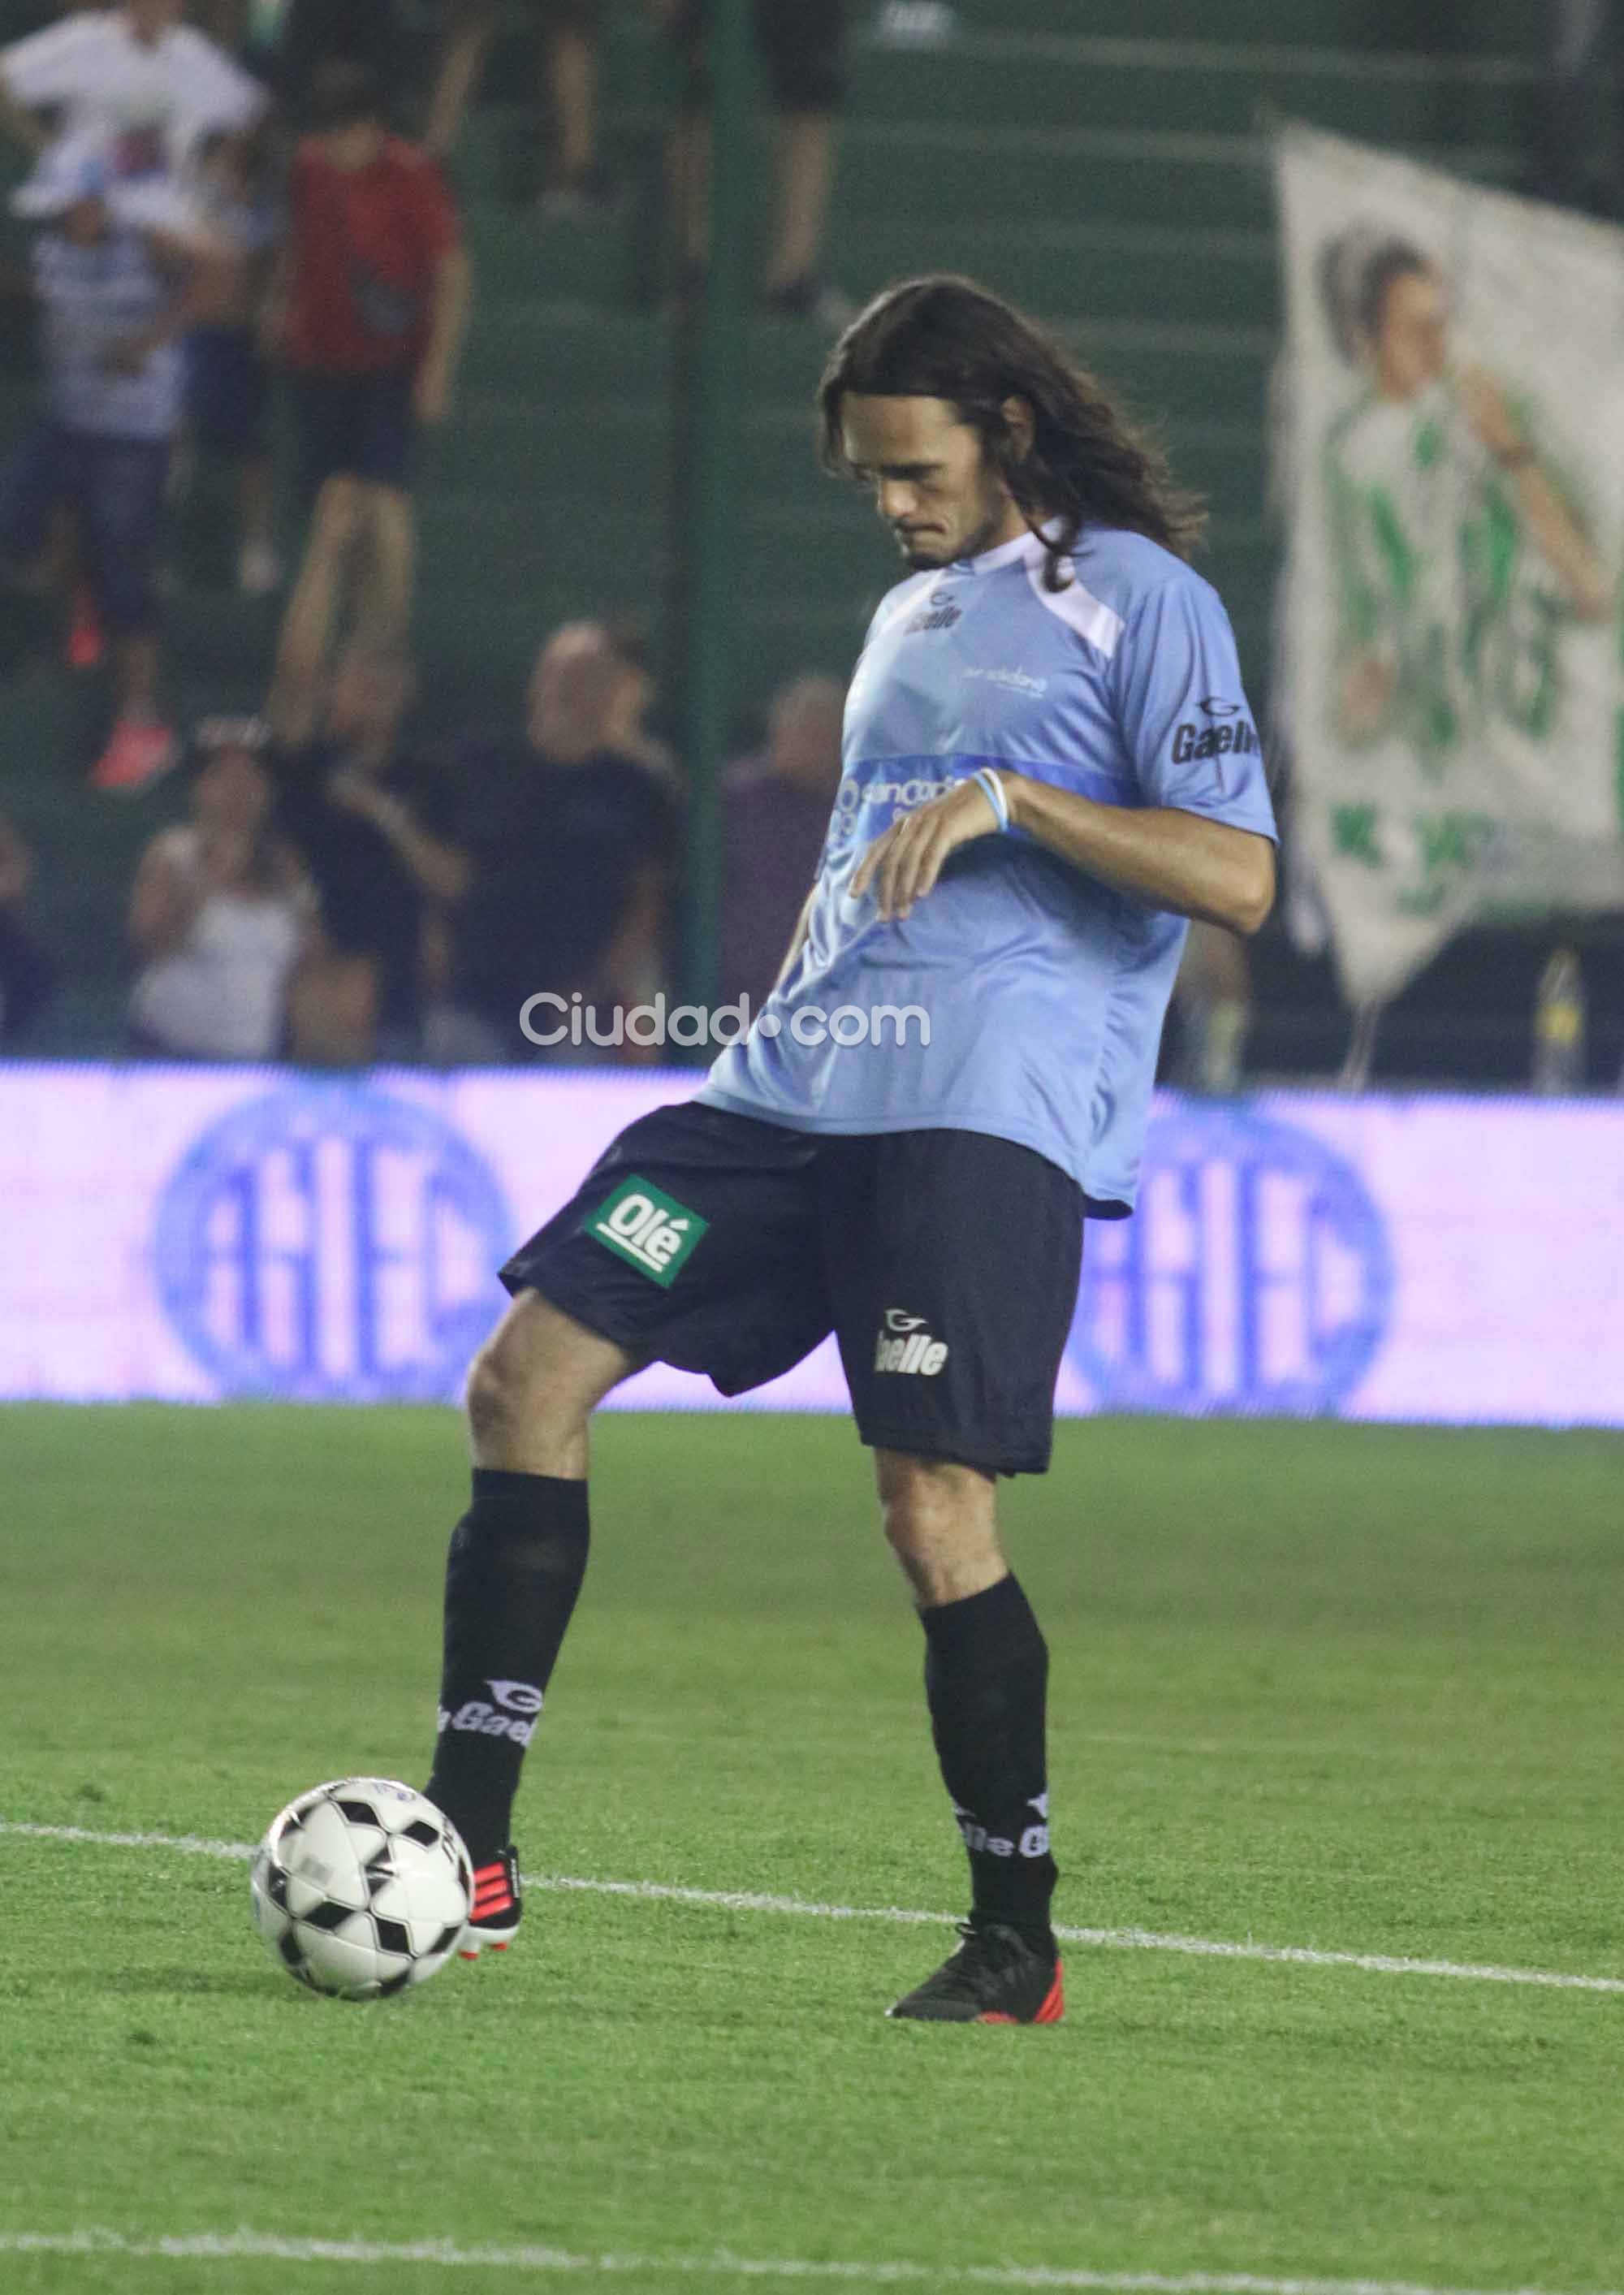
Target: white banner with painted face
[[1452, 443]]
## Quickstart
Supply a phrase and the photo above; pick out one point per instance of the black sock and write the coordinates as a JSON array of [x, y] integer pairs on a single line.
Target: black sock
[[515, 1567], [986, 1678]]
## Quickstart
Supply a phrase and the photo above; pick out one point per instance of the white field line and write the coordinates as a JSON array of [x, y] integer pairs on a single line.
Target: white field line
[[246, 2246], [749, 1900]]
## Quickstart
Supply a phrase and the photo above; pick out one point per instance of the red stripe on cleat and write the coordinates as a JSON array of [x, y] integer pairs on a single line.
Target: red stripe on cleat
[[1054, 2004]]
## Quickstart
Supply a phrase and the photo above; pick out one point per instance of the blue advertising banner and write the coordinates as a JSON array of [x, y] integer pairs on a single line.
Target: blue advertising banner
[[197, 1234]]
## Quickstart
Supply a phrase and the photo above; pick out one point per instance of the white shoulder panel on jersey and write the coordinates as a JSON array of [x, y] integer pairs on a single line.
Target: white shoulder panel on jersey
[[1087, 615]]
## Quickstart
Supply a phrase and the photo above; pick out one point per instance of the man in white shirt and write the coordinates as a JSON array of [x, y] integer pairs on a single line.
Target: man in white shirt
[[135, 70]]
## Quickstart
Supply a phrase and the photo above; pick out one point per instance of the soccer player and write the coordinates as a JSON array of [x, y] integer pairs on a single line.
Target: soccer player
[[1049, 764]]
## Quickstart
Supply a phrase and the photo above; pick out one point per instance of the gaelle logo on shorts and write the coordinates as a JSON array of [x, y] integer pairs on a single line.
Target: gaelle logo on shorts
[[911, 1350], [650, 1229]]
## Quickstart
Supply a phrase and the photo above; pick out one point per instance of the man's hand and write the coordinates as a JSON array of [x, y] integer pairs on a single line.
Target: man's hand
[[903, 864]]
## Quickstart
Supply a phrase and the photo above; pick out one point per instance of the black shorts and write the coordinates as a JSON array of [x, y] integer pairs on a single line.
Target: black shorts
[[355, 426], [228, 388], [801, 44], [946, 1263]]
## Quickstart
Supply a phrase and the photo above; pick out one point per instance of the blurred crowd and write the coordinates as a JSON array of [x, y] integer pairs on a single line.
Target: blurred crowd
[[251, 195]]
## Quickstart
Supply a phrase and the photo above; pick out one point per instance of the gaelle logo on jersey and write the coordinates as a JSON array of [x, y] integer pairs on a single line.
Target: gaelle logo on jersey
[[937, 613], [1237, 737]]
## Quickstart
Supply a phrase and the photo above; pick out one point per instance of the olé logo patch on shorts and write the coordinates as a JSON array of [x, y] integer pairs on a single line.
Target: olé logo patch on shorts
[[653, 1230]]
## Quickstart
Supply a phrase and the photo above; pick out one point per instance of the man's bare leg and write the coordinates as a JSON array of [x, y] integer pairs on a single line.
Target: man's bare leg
[[463, 59], [805, 160], [301, 649], [388, 569]]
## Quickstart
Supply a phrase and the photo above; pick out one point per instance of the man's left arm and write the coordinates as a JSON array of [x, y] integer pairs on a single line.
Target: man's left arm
[[1195, 867], [1200, 839]]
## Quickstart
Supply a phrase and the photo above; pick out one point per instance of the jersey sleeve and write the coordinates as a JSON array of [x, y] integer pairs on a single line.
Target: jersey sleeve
[[1183, 714], [47, 67]]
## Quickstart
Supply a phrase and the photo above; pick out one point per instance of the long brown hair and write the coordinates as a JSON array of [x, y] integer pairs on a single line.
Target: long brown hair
[[944, 337]]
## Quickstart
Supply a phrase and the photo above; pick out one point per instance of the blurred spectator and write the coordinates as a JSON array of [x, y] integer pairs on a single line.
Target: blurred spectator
[[368, 310], [228, 383], [315, 33], [777, 810], [26, 972], [627, 694], [116, 266], [376, 835], [574, 847], [219, 912], [802, 45], [1212, 999], [136, 76], [568, 31]]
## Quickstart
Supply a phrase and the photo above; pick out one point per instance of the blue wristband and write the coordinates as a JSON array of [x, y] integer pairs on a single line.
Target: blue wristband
[[988, 782]]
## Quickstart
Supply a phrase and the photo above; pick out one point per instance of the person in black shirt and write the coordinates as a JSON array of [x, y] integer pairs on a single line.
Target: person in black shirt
[[574, 843], [378, 835]]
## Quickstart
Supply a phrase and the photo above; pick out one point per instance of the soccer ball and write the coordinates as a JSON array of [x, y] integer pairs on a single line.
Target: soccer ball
[[360, 1887]]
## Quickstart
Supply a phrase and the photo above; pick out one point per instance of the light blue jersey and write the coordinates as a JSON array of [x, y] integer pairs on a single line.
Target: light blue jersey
[[1044, 988]]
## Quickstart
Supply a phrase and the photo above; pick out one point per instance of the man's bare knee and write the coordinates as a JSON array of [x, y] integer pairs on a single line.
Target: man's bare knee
[[939, 1519], [534, 1384], [336, 521]]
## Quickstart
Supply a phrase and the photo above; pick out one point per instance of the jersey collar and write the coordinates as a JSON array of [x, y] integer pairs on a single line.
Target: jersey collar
[[1026, 549]]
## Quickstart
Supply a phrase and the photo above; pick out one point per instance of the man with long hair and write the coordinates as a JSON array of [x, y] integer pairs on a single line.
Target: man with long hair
[[1050, 765]]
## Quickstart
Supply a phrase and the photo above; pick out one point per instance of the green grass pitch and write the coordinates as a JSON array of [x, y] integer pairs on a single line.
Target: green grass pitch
[[1350, 1688]]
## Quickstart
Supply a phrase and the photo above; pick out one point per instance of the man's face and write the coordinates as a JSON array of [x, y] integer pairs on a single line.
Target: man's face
[[933, 484], [1412, 337]]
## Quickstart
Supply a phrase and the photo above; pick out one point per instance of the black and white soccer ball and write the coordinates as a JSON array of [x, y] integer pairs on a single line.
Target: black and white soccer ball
[[360, 1887]]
